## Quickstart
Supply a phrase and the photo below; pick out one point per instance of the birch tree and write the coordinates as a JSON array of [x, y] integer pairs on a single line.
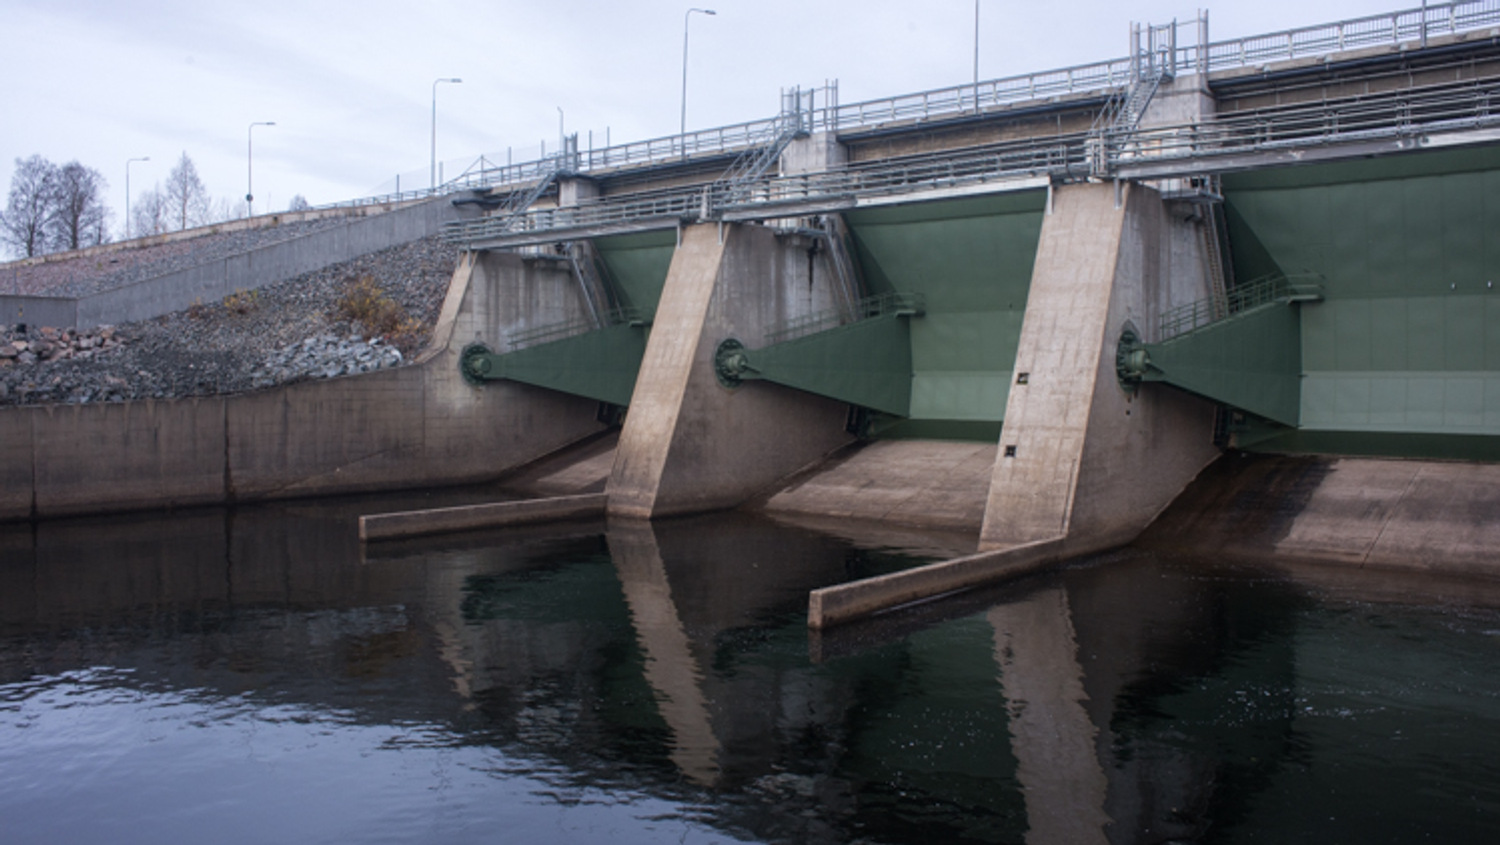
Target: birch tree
[[33, 197]]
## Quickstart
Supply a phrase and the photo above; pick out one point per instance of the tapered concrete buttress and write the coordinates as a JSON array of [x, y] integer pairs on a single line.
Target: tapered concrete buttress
[[1081, 458], [690, 444]]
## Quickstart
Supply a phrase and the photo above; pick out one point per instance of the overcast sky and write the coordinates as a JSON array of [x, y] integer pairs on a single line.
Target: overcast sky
[[350, 84]]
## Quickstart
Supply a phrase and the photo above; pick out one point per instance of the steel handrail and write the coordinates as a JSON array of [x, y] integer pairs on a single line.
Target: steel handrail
[[1093, 78], [573, 326], [997, 161], [1406, 112], [879, 305], [1273, 288]]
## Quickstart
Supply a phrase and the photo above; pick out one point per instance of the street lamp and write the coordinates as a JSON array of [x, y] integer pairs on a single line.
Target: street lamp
[[127, 192], [976, 53], [685, 18], [250, 166], [432, 180]]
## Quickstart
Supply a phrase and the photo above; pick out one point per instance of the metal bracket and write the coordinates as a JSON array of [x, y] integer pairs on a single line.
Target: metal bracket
[[474, 363], [1132, 361], [732, 363]]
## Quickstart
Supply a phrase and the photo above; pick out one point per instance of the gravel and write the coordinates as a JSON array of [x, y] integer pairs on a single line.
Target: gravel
[[275, 335], [84, 275]]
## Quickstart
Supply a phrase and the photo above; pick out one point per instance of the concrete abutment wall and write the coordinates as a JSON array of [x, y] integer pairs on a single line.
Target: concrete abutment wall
[[414, 426]]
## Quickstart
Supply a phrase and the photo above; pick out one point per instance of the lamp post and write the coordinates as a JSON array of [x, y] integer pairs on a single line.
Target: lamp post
[[127, 192], [685, 18], [976, 53], [250, 166], [432, 179]]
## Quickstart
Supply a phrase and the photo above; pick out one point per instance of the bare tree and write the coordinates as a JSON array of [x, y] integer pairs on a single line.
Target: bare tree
[[185, 196], [222, 209], [33, 196], [298, 203], [150, 214], [79, 215]]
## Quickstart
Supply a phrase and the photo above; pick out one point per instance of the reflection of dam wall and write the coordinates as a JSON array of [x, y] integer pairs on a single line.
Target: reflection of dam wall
[[1107, 703]]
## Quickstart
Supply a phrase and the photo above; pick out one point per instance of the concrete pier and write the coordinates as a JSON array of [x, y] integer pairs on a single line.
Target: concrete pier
[[1081, 457], [689, 443]]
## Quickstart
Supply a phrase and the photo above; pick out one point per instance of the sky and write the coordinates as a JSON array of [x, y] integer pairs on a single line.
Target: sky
[[350, 85]]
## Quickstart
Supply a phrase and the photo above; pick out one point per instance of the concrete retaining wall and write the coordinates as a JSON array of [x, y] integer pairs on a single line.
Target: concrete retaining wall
[[415, 426], [215, 280], [38, 310]]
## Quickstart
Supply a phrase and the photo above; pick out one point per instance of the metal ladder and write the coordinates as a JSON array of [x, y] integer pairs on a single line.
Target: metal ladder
[[584, 261], [751, 166], [1213, 255], [1121, 116], [847, 284]]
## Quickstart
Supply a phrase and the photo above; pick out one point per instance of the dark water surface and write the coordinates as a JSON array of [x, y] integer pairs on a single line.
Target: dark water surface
[[251, 676]]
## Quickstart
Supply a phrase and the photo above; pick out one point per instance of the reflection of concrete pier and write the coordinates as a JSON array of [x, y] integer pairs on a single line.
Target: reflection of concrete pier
[[1052, 737], [671, 668]]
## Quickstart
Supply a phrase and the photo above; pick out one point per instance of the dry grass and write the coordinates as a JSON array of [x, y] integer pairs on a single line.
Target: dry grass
[[366, 304]]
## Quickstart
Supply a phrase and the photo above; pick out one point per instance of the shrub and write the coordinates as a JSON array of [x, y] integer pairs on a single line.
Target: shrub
[[242, 301], [365, 304]]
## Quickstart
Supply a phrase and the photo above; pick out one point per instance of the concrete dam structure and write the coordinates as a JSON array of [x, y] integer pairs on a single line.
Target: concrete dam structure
[[1034, 309]]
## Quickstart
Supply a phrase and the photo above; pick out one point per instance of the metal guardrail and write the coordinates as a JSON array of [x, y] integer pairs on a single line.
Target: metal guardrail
[[1420, 24], [1438, 19], [894, 303], [1102, 78], [1178, 321], [1204, 147], [837, 188], [1396, 114], [568, 328]]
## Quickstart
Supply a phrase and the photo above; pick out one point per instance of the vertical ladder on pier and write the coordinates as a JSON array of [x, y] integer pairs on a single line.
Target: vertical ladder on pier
[[847, 284], [584, 260], [1213, 256]]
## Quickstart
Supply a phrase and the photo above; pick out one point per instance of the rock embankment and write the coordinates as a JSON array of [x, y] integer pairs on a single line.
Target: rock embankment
[[297, 329]]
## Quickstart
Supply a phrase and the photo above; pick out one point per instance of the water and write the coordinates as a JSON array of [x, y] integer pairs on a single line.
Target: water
[[250, 676]]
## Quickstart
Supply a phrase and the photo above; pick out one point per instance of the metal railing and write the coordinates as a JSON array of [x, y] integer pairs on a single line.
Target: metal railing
[[895, 303], [1467, 105], [830, 189], [1278, 288], [1203, 146], [1098, 78], [568, 328], [1419, 24]]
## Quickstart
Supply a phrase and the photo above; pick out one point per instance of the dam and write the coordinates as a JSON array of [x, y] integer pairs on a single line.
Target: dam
[[1035, 309], [1100, 455]]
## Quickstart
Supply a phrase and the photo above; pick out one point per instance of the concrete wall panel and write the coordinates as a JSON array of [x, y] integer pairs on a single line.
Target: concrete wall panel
[[38, 310], [420, 425], [94, 457], [15, 463]]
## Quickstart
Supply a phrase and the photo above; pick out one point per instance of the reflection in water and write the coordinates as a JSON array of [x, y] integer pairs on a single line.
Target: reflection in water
[[671, 669], [1051, 734], [251, 676]]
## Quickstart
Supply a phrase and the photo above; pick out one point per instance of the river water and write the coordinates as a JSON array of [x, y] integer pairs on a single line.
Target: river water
[[255, 676]]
